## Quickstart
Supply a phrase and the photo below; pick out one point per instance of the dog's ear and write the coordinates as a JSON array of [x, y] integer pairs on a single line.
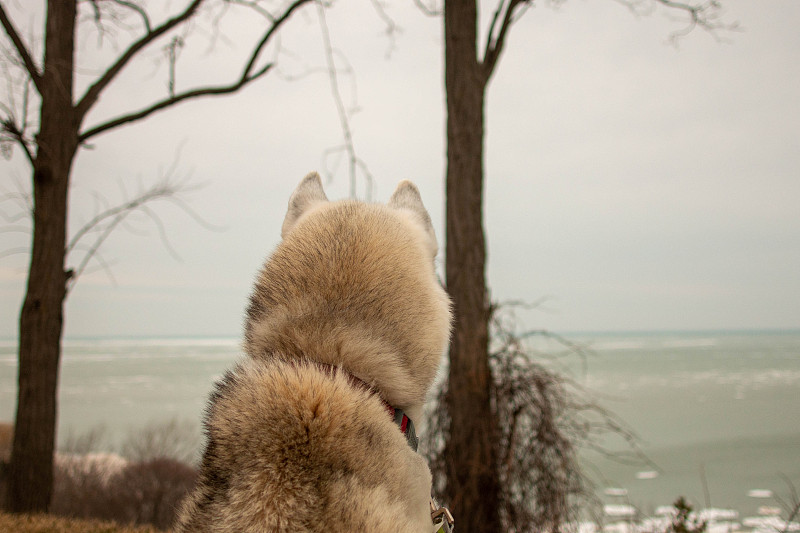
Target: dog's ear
[[307, 194], [407, 198]]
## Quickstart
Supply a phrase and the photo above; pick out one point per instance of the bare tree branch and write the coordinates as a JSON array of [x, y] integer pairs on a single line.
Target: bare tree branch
[[391, 27], [162, 230], [246, 77], [108, 15], [172, 50], [354, 162], [431, 10], [107, 221], [168, 188], [93, 92], [139, 10], [102, 264], [706, 14], [494, 45], [96, 9], [21, 49], [791, 517], [13, 117], [254, 5], [206, 91], [792, 505], [160, 190], [11, 131], [267, 36]]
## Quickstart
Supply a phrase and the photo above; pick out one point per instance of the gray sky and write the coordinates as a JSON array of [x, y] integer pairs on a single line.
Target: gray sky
[[633, 184]]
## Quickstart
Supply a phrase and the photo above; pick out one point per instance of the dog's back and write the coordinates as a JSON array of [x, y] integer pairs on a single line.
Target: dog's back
[[346, 318]]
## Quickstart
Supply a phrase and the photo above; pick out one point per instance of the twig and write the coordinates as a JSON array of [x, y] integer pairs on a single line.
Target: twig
[[114, 217], [93, 92], [791, 517], [15, 133], [105, 222], [391, 26], [706, 14], [354, 162], [494, 44], [793, 506], [430, 11], [22, 50], [249, 73], [139, 11]]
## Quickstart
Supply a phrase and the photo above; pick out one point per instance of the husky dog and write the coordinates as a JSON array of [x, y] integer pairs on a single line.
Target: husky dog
[[344, 334]]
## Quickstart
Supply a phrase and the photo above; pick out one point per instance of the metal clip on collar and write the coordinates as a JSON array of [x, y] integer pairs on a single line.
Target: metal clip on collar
[[442, 519]]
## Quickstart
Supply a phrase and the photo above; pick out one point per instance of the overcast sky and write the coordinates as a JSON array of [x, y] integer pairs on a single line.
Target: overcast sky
[[633, 184]]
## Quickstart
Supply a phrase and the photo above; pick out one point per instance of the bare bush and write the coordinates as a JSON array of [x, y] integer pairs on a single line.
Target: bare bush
[[143, 487], [545, 420], [152, 491], [790, 503], [171, 439], [82, 485], [107, 487], [92, 440]]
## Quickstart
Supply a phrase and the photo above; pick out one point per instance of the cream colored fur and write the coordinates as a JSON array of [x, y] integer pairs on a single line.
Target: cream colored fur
[[294, 443]]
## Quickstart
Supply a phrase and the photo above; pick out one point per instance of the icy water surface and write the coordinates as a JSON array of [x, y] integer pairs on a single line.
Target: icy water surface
[[717, 413]]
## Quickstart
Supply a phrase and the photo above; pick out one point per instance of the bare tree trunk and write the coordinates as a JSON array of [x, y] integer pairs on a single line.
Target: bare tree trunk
[[473, 486], [30, 480], [56, 143]]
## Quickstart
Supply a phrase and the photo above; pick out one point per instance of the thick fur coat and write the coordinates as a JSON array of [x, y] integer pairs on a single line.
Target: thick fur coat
[[346, 317]]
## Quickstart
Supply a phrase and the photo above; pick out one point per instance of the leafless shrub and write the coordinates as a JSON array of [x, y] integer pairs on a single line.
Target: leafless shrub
[[152, 491], [82, 485], [171, 439], [106, 487], [92, 440], [790, 503], [544, 420], [143, 487]]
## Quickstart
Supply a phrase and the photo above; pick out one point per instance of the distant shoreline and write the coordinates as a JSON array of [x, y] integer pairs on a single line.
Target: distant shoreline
[[236, 337]]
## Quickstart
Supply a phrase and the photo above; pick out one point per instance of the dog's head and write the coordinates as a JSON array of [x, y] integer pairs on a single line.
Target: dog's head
[[353, 284]]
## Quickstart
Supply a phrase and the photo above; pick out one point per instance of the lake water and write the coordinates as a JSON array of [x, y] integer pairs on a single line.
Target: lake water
[[718, 414]]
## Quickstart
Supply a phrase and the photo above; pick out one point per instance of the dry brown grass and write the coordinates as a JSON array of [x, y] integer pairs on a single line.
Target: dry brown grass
[[52, 524]]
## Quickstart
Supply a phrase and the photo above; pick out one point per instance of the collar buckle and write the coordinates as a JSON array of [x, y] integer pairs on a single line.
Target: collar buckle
[[442, 519]]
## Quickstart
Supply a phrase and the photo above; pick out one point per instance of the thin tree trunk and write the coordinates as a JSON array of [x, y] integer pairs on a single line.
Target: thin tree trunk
[[473, 485], [30, 480]]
